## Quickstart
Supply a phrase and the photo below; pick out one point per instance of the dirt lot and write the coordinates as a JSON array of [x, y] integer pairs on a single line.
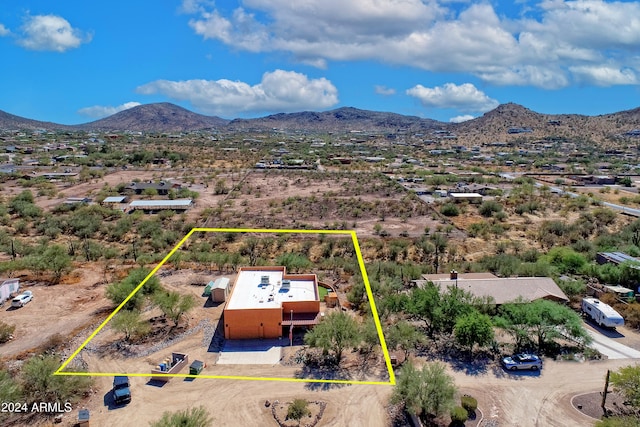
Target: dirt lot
[[58, 309], [525, 399]]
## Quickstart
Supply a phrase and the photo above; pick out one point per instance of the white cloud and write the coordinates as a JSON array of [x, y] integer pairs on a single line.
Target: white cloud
[[194, 6], [604, 75], [4, 31], [464, 97], [383, 90], [50, 32], [279, 91], [99, 111], [550, 51], [460, 119]]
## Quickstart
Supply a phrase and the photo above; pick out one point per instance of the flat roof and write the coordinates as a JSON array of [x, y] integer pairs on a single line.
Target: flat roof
[[249, 292], [161, 203], [465, 195], [114, 199]]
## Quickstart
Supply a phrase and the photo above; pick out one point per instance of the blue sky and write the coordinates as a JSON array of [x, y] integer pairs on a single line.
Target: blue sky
[[76, 61]]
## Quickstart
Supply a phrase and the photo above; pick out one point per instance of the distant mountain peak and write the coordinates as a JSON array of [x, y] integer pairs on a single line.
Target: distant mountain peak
[[157, 117]]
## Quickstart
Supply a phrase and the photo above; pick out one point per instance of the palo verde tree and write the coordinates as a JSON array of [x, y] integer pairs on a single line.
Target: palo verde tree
[[626, 380], [473, 328], [173, 305], [336, 332], [541, 321], [130, 324], [403, 335], [118, 292], [426, 391], [40, 385]]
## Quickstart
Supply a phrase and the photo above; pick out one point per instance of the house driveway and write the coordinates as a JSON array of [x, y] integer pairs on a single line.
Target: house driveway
[[251, 352]]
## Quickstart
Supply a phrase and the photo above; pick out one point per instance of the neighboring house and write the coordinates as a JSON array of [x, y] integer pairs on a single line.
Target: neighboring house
[[111, 200], [501, 289], [466, 197], [77, 200], [151, 206], [162, 187], [616, 258], [266, 302]]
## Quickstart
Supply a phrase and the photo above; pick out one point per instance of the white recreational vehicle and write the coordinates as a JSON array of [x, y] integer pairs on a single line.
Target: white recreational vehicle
[[601, 313]]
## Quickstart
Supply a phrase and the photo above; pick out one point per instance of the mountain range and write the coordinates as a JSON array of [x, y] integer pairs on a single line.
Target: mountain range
[[492, 126]]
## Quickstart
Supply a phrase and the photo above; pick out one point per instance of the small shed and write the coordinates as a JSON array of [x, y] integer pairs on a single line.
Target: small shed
[[621, 292], [220, 290]]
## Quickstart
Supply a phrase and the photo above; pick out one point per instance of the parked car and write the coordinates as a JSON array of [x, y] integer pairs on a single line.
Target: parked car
[[121, 391], [22, 299], [522, 361]]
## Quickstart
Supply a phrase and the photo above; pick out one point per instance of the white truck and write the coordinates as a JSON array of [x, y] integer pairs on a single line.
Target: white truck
[[8, 288], [601, 313]]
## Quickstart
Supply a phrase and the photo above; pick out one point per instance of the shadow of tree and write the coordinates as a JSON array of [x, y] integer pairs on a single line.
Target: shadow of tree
[[327, 372]]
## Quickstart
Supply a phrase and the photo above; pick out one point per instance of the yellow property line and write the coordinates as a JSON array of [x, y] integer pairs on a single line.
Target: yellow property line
[[365, 279]]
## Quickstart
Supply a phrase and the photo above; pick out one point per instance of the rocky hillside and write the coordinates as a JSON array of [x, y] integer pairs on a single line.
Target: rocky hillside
[[161, 117], [341, 119], [507, 122], [9, 121]]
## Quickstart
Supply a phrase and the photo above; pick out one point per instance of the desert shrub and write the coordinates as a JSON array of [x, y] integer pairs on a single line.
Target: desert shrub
[[632, 315], [41, 385], [469, 403], [10, 390], [489, 207], [6, 330], [298, 409], [449, 209], [53, 343], [194, 417], [459, 415]]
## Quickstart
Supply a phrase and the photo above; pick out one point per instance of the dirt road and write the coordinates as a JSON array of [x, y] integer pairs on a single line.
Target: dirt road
[[520, 399], [541, 399]]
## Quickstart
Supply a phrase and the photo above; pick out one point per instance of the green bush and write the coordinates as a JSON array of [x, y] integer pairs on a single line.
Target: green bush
[[298, 409], [469, 403], [194, 417], [6, 330], [489, 207], [449, 209], [459, 415]]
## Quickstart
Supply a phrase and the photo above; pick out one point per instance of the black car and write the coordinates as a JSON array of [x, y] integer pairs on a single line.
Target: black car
[[121, 391]]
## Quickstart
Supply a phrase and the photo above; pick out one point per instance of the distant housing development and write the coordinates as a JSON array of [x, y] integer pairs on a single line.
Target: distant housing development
[[266, 302]]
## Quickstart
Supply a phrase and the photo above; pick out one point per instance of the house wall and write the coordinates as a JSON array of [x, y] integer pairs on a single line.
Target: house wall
[[300, 307], [253, 323]]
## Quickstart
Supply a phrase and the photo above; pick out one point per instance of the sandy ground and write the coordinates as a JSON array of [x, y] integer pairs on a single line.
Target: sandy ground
[[526, 399], [520, 399], [57, 309]]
